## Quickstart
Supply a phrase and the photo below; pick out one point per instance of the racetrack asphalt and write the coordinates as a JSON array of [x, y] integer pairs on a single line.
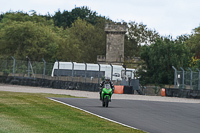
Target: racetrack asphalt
[[154, 114], [149, 116]]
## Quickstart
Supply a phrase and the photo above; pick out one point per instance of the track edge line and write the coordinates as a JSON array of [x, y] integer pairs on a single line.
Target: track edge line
[[93, 114]]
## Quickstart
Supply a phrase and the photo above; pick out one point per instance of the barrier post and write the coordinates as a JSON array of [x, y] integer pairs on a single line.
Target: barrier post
[[175, 76], [198, 79], [99, 72], [28, 59], [191, 72], [85, 71], [111, 71], [183, 77], [44, 68], [72, 71], [13, 66], [30, 65], [58, 70]]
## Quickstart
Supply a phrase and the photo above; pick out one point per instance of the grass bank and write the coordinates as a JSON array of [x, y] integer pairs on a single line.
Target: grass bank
[[30, 113]]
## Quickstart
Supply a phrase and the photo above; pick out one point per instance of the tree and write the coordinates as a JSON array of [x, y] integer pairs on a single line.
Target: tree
[[67, 18], [58, 19], [36, 36], [138, 35], [23, 17], [159, 58], [21, 39], [194, 42], [1, 17], [86, 40]]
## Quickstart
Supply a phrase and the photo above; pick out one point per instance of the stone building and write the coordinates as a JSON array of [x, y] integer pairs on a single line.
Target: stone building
[[114, 43]]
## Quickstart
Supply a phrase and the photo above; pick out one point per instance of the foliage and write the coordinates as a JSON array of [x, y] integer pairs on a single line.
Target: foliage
[[78, 35], [67, 18], [86, 40], [194, 42], [159, 59], [6, 72], [194, 62], [23, 39], [36, 36], [138, 35], [9, 17]]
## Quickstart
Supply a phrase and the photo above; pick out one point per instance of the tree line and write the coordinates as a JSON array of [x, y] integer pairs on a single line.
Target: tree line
[[78, 35]]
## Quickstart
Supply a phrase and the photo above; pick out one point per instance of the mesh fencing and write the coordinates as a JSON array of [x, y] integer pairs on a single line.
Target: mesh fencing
[[47, 74], [187, 80], [43, 70]]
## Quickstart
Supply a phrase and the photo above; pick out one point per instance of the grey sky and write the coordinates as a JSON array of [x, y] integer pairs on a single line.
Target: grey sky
[[168, 17]]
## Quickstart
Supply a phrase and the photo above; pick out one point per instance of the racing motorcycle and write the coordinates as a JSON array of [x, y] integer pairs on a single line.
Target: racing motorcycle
[[106, 95]]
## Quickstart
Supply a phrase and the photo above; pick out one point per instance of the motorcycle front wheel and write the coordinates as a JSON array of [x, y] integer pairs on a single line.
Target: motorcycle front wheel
[[106, 101], [103, 103]]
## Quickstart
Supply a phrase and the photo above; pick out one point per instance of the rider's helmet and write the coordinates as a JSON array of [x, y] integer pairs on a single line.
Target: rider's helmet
[[107, 79]]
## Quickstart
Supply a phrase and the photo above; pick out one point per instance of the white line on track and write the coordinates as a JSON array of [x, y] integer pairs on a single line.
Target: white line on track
[[93, 113]]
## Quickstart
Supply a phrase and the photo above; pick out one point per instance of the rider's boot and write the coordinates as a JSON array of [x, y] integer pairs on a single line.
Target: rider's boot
[[100, 96]]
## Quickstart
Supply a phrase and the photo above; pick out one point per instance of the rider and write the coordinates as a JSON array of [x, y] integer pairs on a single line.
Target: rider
[[106, 81]]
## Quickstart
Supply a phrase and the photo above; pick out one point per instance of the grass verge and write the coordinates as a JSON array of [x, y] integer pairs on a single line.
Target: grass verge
[[30, 113]]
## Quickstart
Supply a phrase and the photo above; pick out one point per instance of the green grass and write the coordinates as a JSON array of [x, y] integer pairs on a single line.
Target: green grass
[[34, 113]]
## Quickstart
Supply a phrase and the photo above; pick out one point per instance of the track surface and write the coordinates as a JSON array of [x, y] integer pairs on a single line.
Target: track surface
[[150, 113], [150, 116]]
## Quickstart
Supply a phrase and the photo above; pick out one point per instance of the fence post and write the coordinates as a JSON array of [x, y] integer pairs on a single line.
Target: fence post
[[85, 71], [28, 65], [72, 71], [175, 76], [111, 71], [198, 79], [190, 77], [58, 70], [99, 72], [13, 66], [125, 70], [44, 68], [183, 77]]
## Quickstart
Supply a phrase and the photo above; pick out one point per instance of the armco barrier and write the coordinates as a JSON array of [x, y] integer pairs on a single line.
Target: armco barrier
[[56, 84]]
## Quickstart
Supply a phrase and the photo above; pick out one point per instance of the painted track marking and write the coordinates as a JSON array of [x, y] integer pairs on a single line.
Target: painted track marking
[[92, 113]]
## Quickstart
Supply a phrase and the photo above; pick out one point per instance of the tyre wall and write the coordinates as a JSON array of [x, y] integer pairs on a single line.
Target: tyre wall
[[183, 93]]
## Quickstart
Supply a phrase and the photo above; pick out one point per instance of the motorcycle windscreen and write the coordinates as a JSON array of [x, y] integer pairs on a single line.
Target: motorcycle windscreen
[[107, 86]]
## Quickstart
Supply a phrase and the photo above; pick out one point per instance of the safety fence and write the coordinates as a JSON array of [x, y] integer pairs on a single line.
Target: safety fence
[[186, 79], [35, 73], [44, 74], [186, 83], [42, 70]]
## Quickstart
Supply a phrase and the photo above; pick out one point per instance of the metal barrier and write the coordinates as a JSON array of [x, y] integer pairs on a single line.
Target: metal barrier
[[186, 79], [43, 70], [34, 73]]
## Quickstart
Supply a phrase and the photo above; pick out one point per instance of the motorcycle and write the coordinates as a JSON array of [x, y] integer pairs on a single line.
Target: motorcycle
[[106, 95]]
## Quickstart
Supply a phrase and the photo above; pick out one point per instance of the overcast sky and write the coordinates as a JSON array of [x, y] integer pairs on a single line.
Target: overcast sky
[[168, 17]]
